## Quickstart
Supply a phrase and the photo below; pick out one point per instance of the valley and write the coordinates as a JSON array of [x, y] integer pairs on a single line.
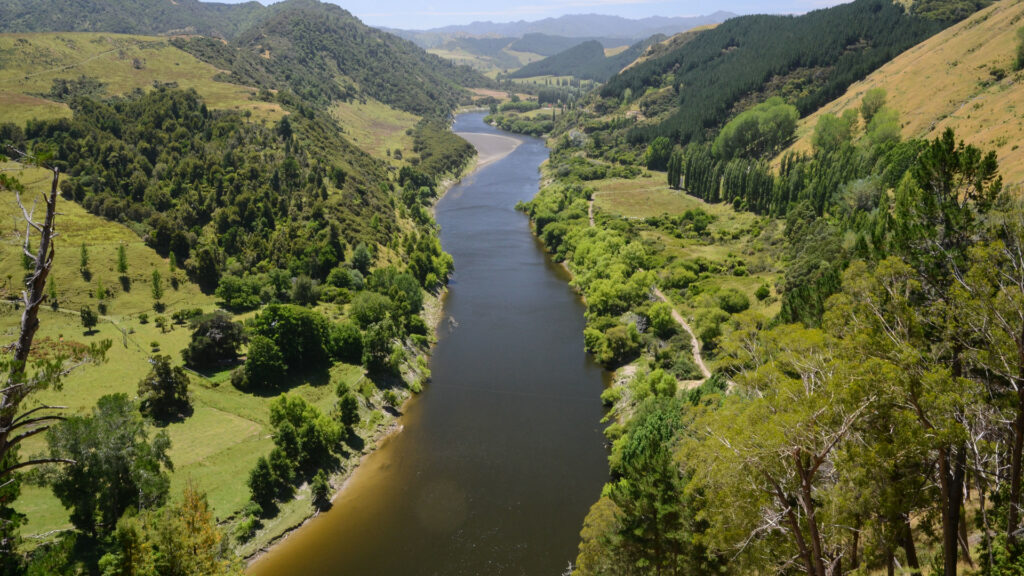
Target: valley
[[586, 294]]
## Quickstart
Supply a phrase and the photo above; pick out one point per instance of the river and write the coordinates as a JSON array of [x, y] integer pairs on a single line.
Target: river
[[502, 455]]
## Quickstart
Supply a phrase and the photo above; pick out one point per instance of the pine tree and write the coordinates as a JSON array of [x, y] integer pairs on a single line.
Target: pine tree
[[122, 260], [158, 286]]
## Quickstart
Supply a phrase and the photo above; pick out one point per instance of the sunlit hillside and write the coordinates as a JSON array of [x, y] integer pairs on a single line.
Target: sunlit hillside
[[962, 78]]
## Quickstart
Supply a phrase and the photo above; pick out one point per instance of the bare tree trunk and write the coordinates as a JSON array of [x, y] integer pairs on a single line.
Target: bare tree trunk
[[855, 546], [965, 545], [1013, 514], [807, 503], [19, 386], [37, 282], [952, 466], [907, 541], [794, 527]]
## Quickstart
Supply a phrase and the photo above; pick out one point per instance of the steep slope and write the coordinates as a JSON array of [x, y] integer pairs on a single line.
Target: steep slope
[[564, 63], [324, 54], [40, 74], [816, 56], [668, 45], [548, 45], [128, 16], [961, 78], [587, 61]]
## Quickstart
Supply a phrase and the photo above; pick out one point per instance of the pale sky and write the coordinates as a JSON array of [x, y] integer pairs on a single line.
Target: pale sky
[[421, 14]]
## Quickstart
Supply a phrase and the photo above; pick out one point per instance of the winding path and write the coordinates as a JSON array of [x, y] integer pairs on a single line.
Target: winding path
[[697, 357], [693, 337]]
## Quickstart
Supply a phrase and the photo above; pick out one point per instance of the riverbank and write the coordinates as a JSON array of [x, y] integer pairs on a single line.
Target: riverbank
[[490, 147], [299, 512], [465, 484]]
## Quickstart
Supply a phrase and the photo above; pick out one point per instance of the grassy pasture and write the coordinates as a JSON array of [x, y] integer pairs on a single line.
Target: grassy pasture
[[228, 430], [727, 243], [29, 63], [375, 127]]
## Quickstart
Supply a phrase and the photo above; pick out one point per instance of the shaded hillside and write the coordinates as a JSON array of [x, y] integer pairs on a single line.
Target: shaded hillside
[[586, 61], [961, 78], [485, 53], [564, 63], [547, 45], [581, 26], [324, 54], [818, 55], [128, 16], [668, 45]]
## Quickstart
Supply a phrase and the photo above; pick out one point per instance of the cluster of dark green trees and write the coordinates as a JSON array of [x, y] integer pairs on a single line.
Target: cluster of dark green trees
[[875, 421], [511, 121], [209, 186], [808, 60], [862, 443], [586, 61]]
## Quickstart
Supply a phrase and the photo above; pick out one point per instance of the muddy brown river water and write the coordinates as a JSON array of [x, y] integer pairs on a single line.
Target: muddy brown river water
[[502, 455]]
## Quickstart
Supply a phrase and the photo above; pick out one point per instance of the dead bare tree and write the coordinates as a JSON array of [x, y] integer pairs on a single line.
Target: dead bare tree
[[18, 422]]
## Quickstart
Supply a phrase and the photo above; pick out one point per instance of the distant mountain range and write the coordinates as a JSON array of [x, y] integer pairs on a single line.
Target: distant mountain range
[[571, 26]]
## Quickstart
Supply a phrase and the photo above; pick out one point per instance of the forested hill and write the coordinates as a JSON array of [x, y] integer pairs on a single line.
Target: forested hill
[[547, 45], [128, 16], [808, 60], [323, 53], [314, 49], [980, 83], [586, 61]]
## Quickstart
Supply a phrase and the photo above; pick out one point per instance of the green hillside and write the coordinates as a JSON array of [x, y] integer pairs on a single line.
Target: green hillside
[[286, 174], [31, 65], [588, 61], [807, 59], [962, 78], [128, 16]]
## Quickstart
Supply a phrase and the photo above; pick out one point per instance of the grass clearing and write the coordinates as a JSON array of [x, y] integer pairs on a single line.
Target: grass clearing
[[728, 245], [375, 127], [219, 442], [29, 63]]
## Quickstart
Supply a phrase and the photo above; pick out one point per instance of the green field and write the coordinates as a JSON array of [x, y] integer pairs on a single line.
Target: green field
[[220, 441], [729, 240], [375, 127], [29, 63]]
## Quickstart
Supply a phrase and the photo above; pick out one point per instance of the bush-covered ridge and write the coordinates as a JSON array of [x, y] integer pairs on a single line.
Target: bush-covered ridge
[[716, 70], [586, 61], [313, 47], [128, 16]]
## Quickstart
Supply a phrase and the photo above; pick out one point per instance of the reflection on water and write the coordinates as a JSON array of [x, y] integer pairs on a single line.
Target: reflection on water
[[502, 455]]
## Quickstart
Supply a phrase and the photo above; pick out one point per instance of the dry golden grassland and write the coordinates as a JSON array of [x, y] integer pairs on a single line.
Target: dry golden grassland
[[962, 78]]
